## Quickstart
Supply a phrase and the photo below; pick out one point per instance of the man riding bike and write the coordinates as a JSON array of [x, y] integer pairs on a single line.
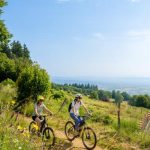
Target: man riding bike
[[38, 111], [74, 110]]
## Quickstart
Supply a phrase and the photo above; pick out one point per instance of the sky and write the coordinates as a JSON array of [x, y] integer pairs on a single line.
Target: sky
[[84, 38]]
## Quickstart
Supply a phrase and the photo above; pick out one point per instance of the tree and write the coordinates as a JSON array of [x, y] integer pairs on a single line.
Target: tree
[[118, 100], [7, 68], [4, 33], [113, 94], [94, 95], [26, 53], [4, 48], [33, 81], [126, 96]]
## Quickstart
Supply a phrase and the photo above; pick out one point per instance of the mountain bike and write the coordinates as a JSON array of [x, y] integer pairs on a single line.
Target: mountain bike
[[47, 133], [86, 133]]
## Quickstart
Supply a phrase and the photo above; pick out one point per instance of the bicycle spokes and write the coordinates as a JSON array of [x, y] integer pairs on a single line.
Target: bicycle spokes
[[69, 130], [48, 136], [89, 138]]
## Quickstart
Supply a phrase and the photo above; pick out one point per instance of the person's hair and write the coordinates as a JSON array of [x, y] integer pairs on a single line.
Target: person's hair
[[78, 96]]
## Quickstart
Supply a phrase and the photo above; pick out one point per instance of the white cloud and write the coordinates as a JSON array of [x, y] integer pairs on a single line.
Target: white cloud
[[139, 34], [98, 35], [63, 1], [135, 1]]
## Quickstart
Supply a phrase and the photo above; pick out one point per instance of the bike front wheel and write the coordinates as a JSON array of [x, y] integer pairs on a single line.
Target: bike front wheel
[[48, 137], [89, 138], [70, 130]]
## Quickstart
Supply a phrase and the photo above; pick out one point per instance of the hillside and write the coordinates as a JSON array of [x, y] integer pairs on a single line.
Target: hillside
[[103, 121]]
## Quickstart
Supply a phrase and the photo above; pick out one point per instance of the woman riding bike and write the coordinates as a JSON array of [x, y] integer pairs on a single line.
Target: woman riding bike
[[74, 110], [39, 107]]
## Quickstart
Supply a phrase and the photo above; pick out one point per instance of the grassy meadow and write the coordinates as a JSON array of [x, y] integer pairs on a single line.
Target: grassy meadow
[[103, 121]]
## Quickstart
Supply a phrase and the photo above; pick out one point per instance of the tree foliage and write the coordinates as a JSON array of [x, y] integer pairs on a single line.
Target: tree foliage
[[33, 81], [4, 33], [7, 68]]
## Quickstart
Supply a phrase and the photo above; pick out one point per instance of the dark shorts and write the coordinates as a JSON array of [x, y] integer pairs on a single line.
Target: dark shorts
[[34, 117]]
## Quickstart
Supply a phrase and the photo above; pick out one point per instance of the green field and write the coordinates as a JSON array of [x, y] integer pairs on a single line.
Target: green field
[[103, 121]]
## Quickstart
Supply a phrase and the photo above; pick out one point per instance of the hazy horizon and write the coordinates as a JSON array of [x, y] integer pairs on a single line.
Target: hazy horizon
[[133, 86]]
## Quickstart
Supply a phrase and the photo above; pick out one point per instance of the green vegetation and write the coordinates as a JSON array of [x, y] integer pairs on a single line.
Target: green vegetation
[[21, 81]]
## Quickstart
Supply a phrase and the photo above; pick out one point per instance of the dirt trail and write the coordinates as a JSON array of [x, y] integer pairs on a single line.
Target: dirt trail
[[61, 141], [75, 144]]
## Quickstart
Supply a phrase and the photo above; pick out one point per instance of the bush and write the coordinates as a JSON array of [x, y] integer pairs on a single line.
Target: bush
[[105, 119], [33, 81]]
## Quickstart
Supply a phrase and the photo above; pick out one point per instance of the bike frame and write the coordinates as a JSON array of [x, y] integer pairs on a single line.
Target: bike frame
[[43, 123], [84, 126]]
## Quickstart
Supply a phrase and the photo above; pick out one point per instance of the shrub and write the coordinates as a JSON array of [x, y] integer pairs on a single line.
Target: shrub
[[33, 81]]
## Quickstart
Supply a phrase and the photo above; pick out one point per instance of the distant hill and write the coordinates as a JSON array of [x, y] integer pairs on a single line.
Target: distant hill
[[133, 86]]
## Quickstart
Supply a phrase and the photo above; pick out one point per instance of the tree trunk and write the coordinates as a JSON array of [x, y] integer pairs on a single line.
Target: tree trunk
[[119, 116]]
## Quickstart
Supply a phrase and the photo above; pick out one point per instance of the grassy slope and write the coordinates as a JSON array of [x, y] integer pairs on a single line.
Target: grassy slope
[[104, 122], [129, 137]]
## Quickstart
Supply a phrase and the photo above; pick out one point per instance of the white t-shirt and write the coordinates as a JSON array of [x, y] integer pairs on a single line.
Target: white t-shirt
[[76, 106], [39, 108]]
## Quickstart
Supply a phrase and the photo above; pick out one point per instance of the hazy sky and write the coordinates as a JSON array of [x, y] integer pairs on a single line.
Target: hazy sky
[[98, 38]]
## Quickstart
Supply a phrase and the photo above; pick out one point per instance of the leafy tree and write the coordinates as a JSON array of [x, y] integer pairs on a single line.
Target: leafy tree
[[20, 64], [94, 94], [26, 53], [118, 100], [33, 81], [141, 101], [7, 68], [104, 95], [4, 34], [113, 94], [16, 49], [126, 96]]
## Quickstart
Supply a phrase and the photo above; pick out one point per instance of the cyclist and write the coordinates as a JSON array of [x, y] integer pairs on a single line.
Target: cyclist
[[38, 111], [74, 110]]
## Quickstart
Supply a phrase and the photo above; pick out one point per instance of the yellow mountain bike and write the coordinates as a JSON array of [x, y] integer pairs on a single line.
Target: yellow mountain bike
[[86, 133]]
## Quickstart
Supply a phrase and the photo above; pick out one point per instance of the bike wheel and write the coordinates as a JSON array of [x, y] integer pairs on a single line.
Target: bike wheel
[[33, 128], [70, 130], [48, 137], [89, 138]]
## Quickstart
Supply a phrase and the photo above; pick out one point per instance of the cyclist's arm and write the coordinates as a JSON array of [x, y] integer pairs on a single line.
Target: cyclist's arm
[[47, 110], [36, 112], [85, 108]]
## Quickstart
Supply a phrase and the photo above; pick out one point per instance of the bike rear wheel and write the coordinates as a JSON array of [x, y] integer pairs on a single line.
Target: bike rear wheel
[[70, 130], [33, 128], [48, 137], [89, 138]]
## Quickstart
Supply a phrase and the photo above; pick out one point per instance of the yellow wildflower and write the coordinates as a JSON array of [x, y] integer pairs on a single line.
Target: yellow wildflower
[[36, 127], [13, 102], [19, 127]]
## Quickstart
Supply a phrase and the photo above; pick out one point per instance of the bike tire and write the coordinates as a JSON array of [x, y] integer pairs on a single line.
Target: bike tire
[[32, 130], [88, 129], [48, 136], [71, 128]]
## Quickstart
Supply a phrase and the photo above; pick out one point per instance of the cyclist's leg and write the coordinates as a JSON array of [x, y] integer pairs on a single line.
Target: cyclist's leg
[[80, 120], [75, 118], [38, 122]]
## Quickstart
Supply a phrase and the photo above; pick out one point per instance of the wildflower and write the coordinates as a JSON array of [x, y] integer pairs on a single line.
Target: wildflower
[[19, 127], [36, 127], [13, 102]]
